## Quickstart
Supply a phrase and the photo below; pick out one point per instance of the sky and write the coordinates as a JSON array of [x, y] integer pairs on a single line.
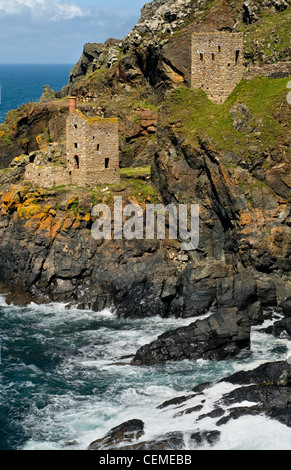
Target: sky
[[54, 31]]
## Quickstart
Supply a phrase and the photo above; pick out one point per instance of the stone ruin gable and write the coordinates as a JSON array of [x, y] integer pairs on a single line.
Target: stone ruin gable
[[217, 63], [47, 176], [92, 149]]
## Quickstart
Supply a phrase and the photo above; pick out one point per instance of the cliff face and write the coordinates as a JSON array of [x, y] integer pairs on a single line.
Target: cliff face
[[46, 237], [157, 51], [237, 170]]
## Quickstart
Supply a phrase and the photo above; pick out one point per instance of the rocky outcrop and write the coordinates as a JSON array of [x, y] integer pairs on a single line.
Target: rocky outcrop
[[94, 57], [168, 441], [46, 236], [279, 328], [125, 432], [267, 388], [220, 336], [271, 391], [286, 306], [27, 126]]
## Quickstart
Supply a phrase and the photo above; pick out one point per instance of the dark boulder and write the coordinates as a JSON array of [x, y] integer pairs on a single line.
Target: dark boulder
[[220, 336], [270, 389], [279, 327], [125, 432], [168, 441], [286, 307], [270, 373]]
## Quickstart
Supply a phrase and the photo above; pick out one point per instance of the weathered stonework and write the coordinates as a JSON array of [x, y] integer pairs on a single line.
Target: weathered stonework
[[217, 63], [278, 70], [92, 154], [47, 176], [92, 149]]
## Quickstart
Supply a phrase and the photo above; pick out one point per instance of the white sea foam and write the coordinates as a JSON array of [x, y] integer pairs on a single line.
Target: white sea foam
[[3, 300], [254, 433], [91, 345]]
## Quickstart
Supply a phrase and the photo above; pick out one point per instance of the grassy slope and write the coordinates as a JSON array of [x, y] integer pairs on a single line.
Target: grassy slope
[[193, 115], [270, 35]]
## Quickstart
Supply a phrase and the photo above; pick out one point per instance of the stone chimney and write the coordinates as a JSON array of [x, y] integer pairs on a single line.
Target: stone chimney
[[72, 104]]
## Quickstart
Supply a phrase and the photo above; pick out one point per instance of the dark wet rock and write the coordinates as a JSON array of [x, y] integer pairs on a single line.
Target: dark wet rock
[[270, 373], [188, 411], [283, 415], [217, 337], [286, 307], [201, 387], [217, 413], [280, 327], [173, 441], [271, 397], [266, 291], [203, 437], [235, 413], [175, 401], [125, 432], [270, 389], [169, 441]]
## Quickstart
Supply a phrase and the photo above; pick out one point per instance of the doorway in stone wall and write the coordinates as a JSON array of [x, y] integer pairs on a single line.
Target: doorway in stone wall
[[76, 162]]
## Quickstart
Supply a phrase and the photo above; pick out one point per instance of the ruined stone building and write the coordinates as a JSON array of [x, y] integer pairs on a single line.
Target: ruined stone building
[[217, 63], [92, 145], [92, 148]]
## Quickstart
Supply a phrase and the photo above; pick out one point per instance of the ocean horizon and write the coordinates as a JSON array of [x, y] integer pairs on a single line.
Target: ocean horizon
[[24, 83]]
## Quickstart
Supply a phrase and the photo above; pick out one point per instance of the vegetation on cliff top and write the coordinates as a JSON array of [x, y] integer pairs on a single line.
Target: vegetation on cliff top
[[262, 126], [268, 40]]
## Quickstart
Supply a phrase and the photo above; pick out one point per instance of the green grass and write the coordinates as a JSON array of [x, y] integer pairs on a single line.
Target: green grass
[[193, 115], [132, 189], [136, 172], [272, 31]]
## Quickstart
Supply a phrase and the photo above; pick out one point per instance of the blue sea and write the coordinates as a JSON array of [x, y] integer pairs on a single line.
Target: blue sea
[[24, 83], [63, 382]]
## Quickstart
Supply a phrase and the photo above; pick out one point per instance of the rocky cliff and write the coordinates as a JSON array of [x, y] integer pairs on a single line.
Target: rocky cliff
[[231, 159], [176, 146]]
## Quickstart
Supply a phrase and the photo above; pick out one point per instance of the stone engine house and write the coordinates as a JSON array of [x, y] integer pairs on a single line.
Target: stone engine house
[[92, 148], [217, 63]]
